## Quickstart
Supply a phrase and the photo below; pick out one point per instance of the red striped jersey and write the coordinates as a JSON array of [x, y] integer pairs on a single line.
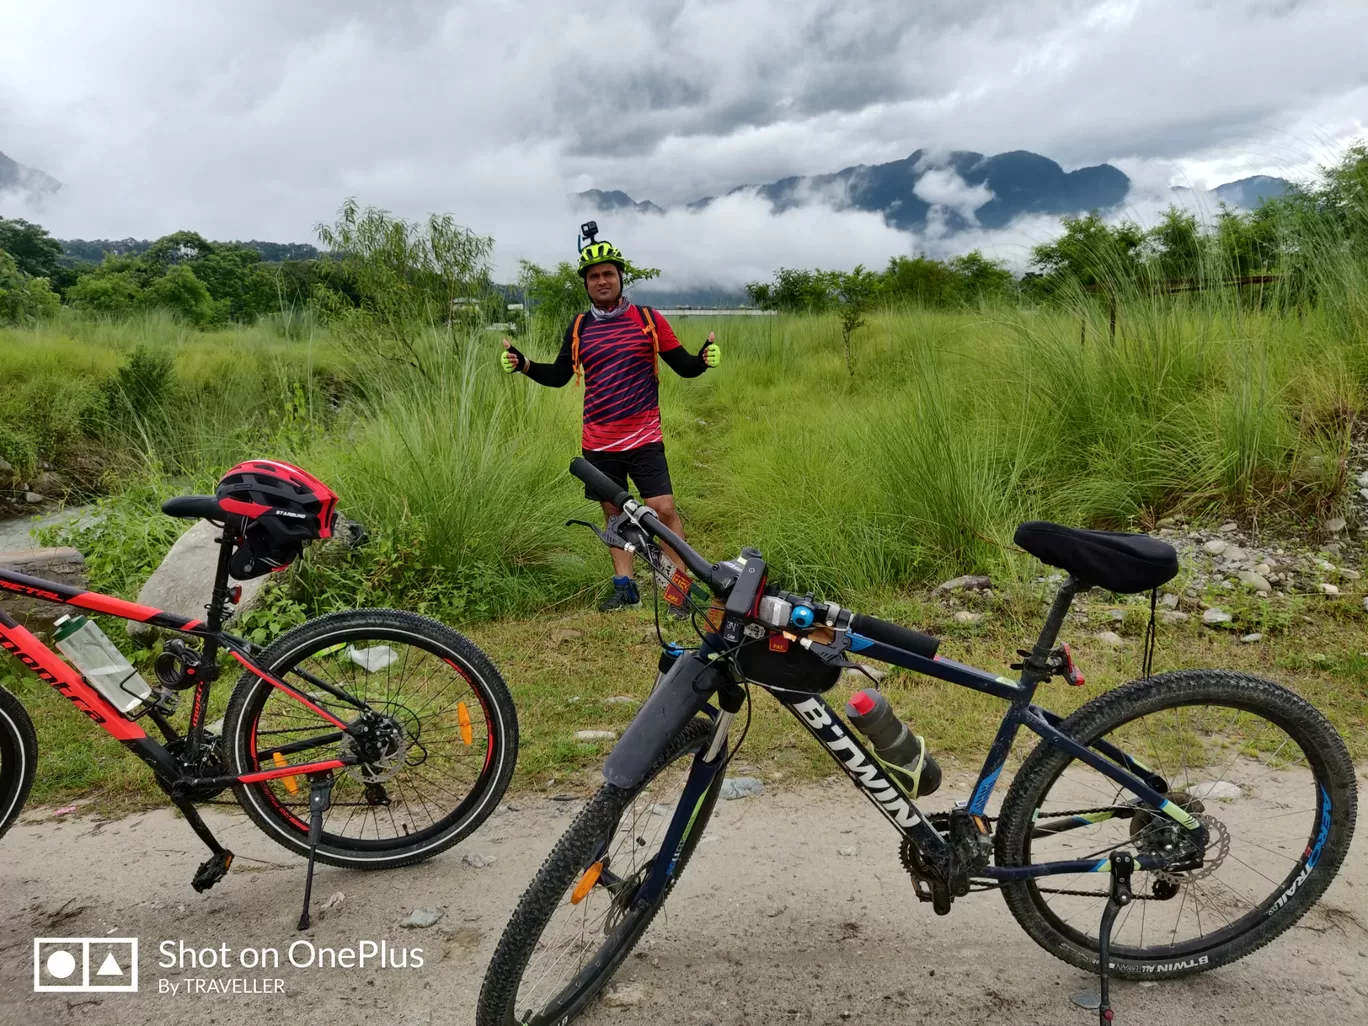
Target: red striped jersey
[[621, 388]]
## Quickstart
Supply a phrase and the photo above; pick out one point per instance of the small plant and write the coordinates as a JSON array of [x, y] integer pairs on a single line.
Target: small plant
[[855, 292]]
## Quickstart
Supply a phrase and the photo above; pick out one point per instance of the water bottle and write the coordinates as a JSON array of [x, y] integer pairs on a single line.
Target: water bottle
[[103, 665], [898, 748]]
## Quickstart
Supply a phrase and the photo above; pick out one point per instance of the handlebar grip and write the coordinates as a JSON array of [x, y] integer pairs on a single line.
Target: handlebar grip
[[895, 635], [598, 482]]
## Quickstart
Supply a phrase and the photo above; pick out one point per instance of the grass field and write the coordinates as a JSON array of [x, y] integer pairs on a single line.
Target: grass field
[[866, 487]]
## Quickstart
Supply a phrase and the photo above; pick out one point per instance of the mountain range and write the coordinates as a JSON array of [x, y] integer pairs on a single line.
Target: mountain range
[[15, 177], [951, 192]]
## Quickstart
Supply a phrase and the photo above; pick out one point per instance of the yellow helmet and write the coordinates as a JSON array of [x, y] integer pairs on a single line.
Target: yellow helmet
[[601, 253]]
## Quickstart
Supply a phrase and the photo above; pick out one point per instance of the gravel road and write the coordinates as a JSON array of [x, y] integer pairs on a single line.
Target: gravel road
[[794, 911]]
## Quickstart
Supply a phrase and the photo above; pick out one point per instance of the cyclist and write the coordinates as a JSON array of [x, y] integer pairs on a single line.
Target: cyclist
[[615, 345]]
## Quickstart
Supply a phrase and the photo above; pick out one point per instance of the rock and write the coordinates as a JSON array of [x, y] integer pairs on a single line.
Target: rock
[[1229, 526], [1250, 639], [421, 918], [1352, 575], [1329, 589], [334, 899], [34, 499], [1118, 615], [477, 861], [1169, 601], [849, 853], [1263, 568], [1363, 478], [6, 472], [1111, 639], [622, 700], [50, 483], [1215, 615], [1337, 525], [1365, 603], [185, 580], [624, 995], [1170, 616], [1252, 580], [1219, 790], [1235, 554], [965, 616], [595, 735], [570, 634], [1363, 492], [740, 787], [65, 566], [1215, 547], [969, 582]]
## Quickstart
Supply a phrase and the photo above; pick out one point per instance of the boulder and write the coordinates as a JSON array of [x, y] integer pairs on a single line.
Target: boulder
[[185, 580], [6, 473], [65, 566]]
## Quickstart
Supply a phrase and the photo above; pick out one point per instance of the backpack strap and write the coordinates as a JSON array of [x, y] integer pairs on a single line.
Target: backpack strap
[[649, 329], [575, 345]]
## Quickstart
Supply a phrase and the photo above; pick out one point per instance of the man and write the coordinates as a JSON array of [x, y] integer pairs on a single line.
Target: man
[[615, 346]]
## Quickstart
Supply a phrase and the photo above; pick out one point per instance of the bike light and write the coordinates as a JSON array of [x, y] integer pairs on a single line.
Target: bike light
[[235, 594]]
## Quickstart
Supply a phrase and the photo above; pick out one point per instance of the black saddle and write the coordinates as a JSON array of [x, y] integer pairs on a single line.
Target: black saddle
[[195, 507], [1123, 563]]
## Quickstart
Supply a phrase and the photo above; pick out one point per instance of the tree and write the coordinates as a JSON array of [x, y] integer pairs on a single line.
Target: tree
[[921, 281], [112, 289], [1089, 253], [23, 297], [35, 252], [555, 296], [179, 290], [979, 278], [1175, 246], [855, 291]]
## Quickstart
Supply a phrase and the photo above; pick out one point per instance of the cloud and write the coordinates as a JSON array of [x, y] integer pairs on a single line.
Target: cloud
[[255, 118]]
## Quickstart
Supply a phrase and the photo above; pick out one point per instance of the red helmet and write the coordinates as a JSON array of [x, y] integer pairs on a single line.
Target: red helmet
[[282, 507]]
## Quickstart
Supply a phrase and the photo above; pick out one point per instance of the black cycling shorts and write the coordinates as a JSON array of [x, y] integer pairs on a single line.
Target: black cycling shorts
[[645, 466]]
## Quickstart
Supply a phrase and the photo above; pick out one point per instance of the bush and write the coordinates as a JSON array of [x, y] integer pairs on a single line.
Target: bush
[[23, 298]]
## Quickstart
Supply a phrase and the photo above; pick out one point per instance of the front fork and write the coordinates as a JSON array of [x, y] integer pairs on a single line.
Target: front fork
[[702, 776]]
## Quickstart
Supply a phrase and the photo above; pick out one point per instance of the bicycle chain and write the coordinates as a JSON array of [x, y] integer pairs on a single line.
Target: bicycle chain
[[941, 821]]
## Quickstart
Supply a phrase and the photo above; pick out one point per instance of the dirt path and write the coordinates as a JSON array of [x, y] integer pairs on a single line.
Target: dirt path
[[745, 939]]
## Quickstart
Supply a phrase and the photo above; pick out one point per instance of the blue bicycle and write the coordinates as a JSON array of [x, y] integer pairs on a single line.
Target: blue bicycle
[[1167, 827]]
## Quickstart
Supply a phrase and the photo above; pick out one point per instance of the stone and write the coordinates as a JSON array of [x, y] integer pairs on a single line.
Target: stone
[[1352, 575], [1170, 616], [334, 899], [1337, 525], [6, 472], [1252, 580], [969, 582], [1363, 478], [1363, 492], [1365, 603], [1229, 526], [1117, 615], [1263, 568], [1169, 601], [1215, 547], [477, 861], [1329, 589], [50, 483], [62, 565], [1215, 615], [622, 700], [878, 673], [595, 735], [421, 918], [624, 995], [184, 581], [740, 787], [849, 853], [1219, 790], [1235, 554], [965, 616], [1250, 639], [1111, 639], [34, 499]]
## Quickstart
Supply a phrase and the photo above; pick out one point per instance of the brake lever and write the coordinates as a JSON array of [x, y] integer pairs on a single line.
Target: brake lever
[[610, 538]]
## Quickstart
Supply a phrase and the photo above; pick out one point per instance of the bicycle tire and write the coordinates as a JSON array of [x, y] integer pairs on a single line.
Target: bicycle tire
[[18, 758], [1322, 746], [334, 629], [498, 996]]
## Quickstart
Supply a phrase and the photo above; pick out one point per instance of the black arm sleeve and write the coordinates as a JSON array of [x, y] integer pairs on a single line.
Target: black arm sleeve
[[684, 363], [554, 375]]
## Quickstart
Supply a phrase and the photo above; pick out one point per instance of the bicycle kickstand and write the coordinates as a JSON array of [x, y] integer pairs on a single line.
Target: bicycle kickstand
[[1122, 862], [320, 799]]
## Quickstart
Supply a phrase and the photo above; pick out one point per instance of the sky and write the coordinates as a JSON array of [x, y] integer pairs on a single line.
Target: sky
[[255, 119]]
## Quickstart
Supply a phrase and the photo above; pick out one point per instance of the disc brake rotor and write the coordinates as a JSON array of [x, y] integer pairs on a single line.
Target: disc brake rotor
[[1218, 847], [382, 765]]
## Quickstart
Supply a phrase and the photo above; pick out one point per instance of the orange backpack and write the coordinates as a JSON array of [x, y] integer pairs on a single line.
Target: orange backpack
[[648, 329]]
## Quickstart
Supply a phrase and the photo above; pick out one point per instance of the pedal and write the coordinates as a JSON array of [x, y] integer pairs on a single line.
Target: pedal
[[1122, 863], [320, 800], [212, 870]]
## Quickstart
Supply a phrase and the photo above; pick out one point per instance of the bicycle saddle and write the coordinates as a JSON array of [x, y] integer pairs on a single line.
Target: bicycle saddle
[[195, 507], [1123, 563]]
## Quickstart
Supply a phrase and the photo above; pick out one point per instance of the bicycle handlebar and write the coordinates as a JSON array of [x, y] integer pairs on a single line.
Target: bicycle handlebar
[[609, 491]]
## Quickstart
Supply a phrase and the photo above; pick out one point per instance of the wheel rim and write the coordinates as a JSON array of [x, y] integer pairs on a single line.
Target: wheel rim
[[586, 939], [1239, 771], [441, 738]]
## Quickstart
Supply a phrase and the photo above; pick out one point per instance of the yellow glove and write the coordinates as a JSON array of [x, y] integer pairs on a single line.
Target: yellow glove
[[510, 359], [712, 353]]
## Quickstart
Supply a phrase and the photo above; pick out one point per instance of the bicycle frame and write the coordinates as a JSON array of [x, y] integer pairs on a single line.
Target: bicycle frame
[[53, 670], [899, 808]]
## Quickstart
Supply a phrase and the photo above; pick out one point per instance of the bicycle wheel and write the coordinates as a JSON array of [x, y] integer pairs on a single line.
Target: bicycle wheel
[[1264, 771], [439, 748], [18, 757], [575, 924]]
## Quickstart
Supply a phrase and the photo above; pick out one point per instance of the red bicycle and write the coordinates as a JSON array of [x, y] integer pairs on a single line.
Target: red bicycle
[[367, 739]]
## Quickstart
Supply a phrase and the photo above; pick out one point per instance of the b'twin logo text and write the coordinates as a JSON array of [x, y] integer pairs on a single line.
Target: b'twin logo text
[[864, 772]]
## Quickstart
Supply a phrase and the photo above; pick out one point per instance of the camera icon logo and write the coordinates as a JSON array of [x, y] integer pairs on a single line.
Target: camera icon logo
[[85, 965]]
